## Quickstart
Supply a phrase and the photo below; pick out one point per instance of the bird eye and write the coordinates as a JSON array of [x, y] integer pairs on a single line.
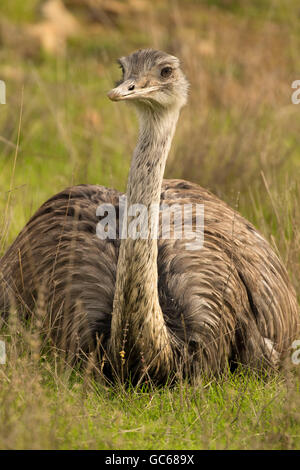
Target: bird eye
[[166, 72]]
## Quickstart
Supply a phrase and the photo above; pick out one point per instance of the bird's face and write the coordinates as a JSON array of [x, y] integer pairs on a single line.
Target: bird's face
[[151, 78]]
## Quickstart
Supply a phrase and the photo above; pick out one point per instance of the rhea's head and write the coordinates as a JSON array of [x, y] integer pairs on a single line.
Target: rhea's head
[[151, 78]]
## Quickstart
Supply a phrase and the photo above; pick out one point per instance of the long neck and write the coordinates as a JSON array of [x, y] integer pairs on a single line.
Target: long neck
[[138, 329], [150, 155]]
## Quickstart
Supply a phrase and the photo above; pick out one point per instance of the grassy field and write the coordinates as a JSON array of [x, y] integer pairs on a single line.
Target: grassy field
[[239, 136]]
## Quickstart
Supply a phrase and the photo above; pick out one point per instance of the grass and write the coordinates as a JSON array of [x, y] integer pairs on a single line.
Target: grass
[[46, 406], [239, 136]]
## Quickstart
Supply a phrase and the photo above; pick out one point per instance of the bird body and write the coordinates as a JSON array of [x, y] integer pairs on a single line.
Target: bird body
[[218, 299], [156, 308]]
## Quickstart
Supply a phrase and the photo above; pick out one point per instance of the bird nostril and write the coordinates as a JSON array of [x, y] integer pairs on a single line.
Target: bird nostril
[[131, 87]]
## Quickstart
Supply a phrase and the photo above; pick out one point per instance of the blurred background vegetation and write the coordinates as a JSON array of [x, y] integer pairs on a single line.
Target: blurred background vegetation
[[239, 136]]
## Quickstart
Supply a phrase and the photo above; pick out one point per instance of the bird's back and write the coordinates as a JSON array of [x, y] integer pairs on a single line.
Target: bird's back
[[235, 294], [230, 300]]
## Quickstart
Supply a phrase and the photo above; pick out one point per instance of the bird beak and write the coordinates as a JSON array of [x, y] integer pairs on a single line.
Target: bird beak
[[130, 90], [122, 92]]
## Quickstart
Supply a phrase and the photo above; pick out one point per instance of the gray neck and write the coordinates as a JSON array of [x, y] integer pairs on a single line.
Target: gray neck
[[150, 155], [138, 327]]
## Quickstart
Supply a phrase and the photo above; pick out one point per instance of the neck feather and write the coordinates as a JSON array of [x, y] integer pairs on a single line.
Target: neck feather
[[150, 155], [138, 328]]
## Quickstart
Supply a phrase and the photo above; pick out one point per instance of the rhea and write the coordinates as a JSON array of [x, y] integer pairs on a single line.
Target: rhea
[[157, 309]]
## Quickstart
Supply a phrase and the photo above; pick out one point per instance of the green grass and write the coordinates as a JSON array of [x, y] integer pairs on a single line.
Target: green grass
[[240, 58], [18, 10], [44, 406]]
